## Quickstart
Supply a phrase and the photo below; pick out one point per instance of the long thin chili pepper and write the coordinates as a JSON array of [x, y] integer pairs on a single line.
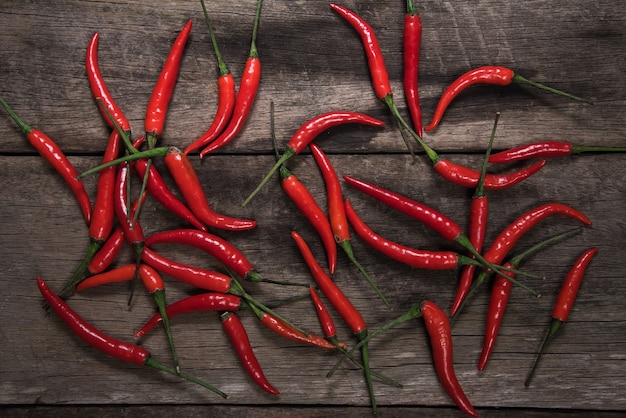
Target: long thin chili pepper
[[187, 180], [547, 149], [411, 45], [432, 218], [326, 321], [479, 213], [219, 248], [152, 281], [203, 302], [308, 131], [337, 213], [106, 104], [494, 75], [107, 253], [438, 328], [241, 343], [113, 347], [248, 87], [225, 97], [53, 154], [500, 293], [158, 104], [351, 316], [564, 302]]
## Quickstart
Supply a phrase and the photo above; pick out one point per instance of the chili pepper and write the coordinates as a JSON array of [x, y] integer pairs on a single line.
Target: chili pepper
[[351, 316], [209, 301], [151, 280], [100, 90], [438, 328], [226, 95], [437, 221], [241, 343], [225, 252], [564, 302], [308, 131], [547, 149], [113, 347], [494, 75], [337, 214], [479, 213], [248, 87], [164, 87], [187, 181], [53, 154], [411, 42], [107, 253], [500, 293], [326, 321]]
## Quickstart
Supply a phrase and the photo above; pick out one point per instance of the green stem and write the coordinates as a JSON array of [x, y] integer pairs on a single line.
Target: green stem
[[347, 248], [223, 68], [365, 357], [159, 299], [286, 156], [23, 126], [150, 361], [480, 189], [153, 152], [125, 135], [554, 327], [253, 51], [578, 149], [93, 248], [521, 80]]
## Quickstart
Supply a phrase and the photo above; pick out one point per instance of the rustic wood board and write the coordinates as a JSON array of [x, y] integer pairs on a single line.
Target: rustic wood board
[[312, 63]]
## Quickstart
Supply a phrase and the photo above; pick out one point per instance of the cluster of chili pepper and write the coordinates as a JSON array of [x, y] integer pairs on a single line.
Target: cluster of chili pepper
[[114, 218]]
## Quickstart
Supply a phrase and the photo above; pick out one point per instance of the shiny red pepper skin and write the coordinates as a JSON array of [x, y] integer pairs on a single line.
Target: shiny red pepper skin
[[284, 330], [203, 302], [411, 42], [438, 328], [162, 93], [547, 149], [103, 214], [326, 321], [241, 343], [107, 252], [375, 60], [466, 177], [132, 232], [151, 279], [188, 183]]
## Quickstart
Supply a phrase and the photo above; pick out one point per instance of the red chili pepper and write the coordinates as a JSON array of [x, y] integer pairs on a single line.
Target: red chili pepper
[[308, 131], [225, 252], [326, 321], [341, 303], [564, 302], [203, 302], [411, 42], [187, 181], [52, 153], [241, 343], [226, 95], [132, 232], [113, 347], [494, 75], [164, 87], [246, 95], [438, 328], [107, 253], [100, 91], [337, 213], [547, 149]]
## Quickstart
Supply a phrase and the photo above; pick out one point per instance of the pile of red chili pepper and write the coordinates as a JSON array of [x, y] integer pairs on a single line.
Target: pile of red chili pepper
[[114, 218]]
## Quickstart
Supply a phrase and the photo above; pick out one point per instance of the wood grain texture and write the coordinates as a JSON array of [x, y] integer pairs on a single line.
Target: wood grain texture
[[312, 63]]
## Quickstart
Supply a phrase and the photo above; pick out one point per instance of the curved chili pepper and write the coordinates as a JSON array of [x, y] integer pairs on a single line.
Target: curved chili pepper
[[499, 298], [225, 97], [438, 328], [103, 258], [113, 347], [162, 93], [241, 343], [547, 149], [153, 283], [564, 302], [225, 252], [411, 42], [248, 87], [188, 183], [100, 91], [326, 321], [308, 131], [494, 75], [203, 302], [337, 213], [53, 154], [351, 316]]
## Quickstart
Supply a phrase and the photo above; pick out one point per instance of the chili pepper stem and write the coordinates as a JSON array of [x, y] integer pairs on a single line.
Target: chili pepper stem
[[138, 247], [365, 357], [554, 327], [522, 80], [93, 248], [283, 158], [150, 361], [347, 248], [159, 299], [154, 152], [125, 135]]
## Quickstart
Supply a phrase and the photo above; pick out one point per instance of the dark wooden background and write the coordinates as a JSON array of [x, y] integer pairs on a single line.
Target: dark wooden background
[[313, 62]]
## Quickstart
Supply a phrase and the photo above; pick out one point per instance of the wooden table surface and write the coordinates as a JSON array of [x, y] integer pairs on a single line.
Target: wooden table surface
[[313, 62]]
